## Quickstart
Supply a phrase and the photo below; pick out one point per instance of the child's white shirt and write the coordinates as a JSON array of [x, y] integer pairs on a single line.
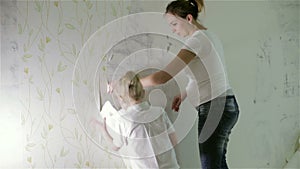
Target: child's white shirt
[[142, 133]]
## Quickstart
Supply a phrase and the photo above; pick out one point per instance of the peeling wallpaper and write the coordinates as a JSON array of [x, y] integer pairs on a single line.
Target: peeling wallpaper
[[42, 41]]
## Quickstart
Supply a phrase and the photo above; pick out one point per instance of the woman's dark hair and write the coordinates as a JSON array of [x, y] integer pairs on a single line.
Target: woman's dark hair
[[184, 7]]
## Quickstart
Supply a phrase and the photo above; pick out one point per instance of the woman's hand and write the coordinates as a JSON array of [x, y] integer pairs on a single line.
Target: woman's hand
[[177, 101]]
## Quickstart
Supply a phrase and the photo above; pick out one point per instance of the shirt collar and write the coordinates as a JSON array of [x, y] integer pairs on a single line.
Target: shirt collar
[[141, 113]]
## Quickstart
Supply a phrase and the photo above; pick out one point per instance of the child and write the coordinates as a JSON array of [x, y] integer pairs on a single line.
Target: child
[[145, 136]]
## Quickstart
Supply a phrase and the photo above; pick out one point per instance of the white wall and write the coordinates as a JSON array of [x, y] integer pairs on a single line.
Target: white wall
[[41, 42], [261, 41]]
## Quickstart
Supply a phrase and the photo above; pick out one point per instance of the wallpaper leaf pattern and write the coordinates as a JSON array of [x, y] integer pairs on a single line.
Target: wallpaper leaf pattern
[[54, 137]]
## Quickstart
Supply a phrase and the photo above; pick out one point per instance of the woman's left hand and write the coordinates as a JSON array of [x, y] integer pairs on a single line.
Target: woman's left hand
[[177, 101]]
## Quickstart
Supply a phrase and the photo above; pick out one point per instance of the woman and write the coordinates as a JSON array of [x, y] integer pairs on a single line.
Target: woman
[[215, 102]]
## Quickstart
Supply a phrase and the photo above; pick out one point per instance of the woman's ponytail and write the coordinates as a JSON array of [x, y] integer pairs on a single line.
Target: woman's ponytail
[[184, 7], [200, 4]]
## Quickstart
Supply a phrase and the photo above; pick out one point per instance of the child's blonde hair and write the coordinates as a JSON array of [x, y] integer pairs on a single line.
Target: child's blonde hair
[[129, 88]]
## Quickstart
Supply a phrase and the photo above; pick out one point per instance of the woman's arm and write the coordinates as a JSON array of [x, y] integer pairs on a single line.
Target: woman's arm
[[175, 66]]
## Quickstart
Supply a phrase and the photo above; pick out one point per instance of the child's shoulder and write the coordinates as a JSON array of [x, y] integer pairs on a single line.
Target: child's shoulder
[[157, 109]]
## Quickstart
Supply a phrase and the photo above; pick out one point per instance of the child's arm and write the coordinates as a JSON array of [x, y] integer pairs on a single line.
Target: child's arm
[[107, 137]]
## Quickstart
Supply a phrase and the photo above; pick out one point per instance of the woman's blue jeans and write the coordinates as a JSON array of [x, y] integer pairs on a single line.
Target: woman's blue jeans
[[213, 150]]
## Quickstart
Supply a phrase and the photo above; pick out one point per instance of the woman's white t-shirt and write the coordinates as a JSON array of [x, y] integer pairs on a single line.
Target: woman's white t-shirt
[[206, 72]]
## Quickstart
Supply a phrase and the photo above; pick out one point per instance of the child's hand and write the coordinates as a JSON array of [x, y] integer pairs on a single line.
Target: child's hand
[[102, 125], [94, 122]]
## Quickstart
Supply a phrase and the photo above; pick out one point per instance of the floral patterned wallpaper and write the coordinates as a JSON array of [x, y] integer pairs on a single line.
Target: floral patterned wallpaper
[[51, 34]]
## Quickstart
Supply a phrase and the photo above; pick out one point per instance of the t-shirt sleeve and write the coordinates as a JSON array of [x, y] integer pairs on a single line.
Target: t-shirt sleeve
[[192, 84], [198, 44]]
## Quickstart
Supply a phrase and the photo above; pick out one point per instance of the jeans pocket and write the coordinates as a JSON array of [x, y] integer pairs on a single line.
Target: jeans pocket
[[231, 106], [203, 109]]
